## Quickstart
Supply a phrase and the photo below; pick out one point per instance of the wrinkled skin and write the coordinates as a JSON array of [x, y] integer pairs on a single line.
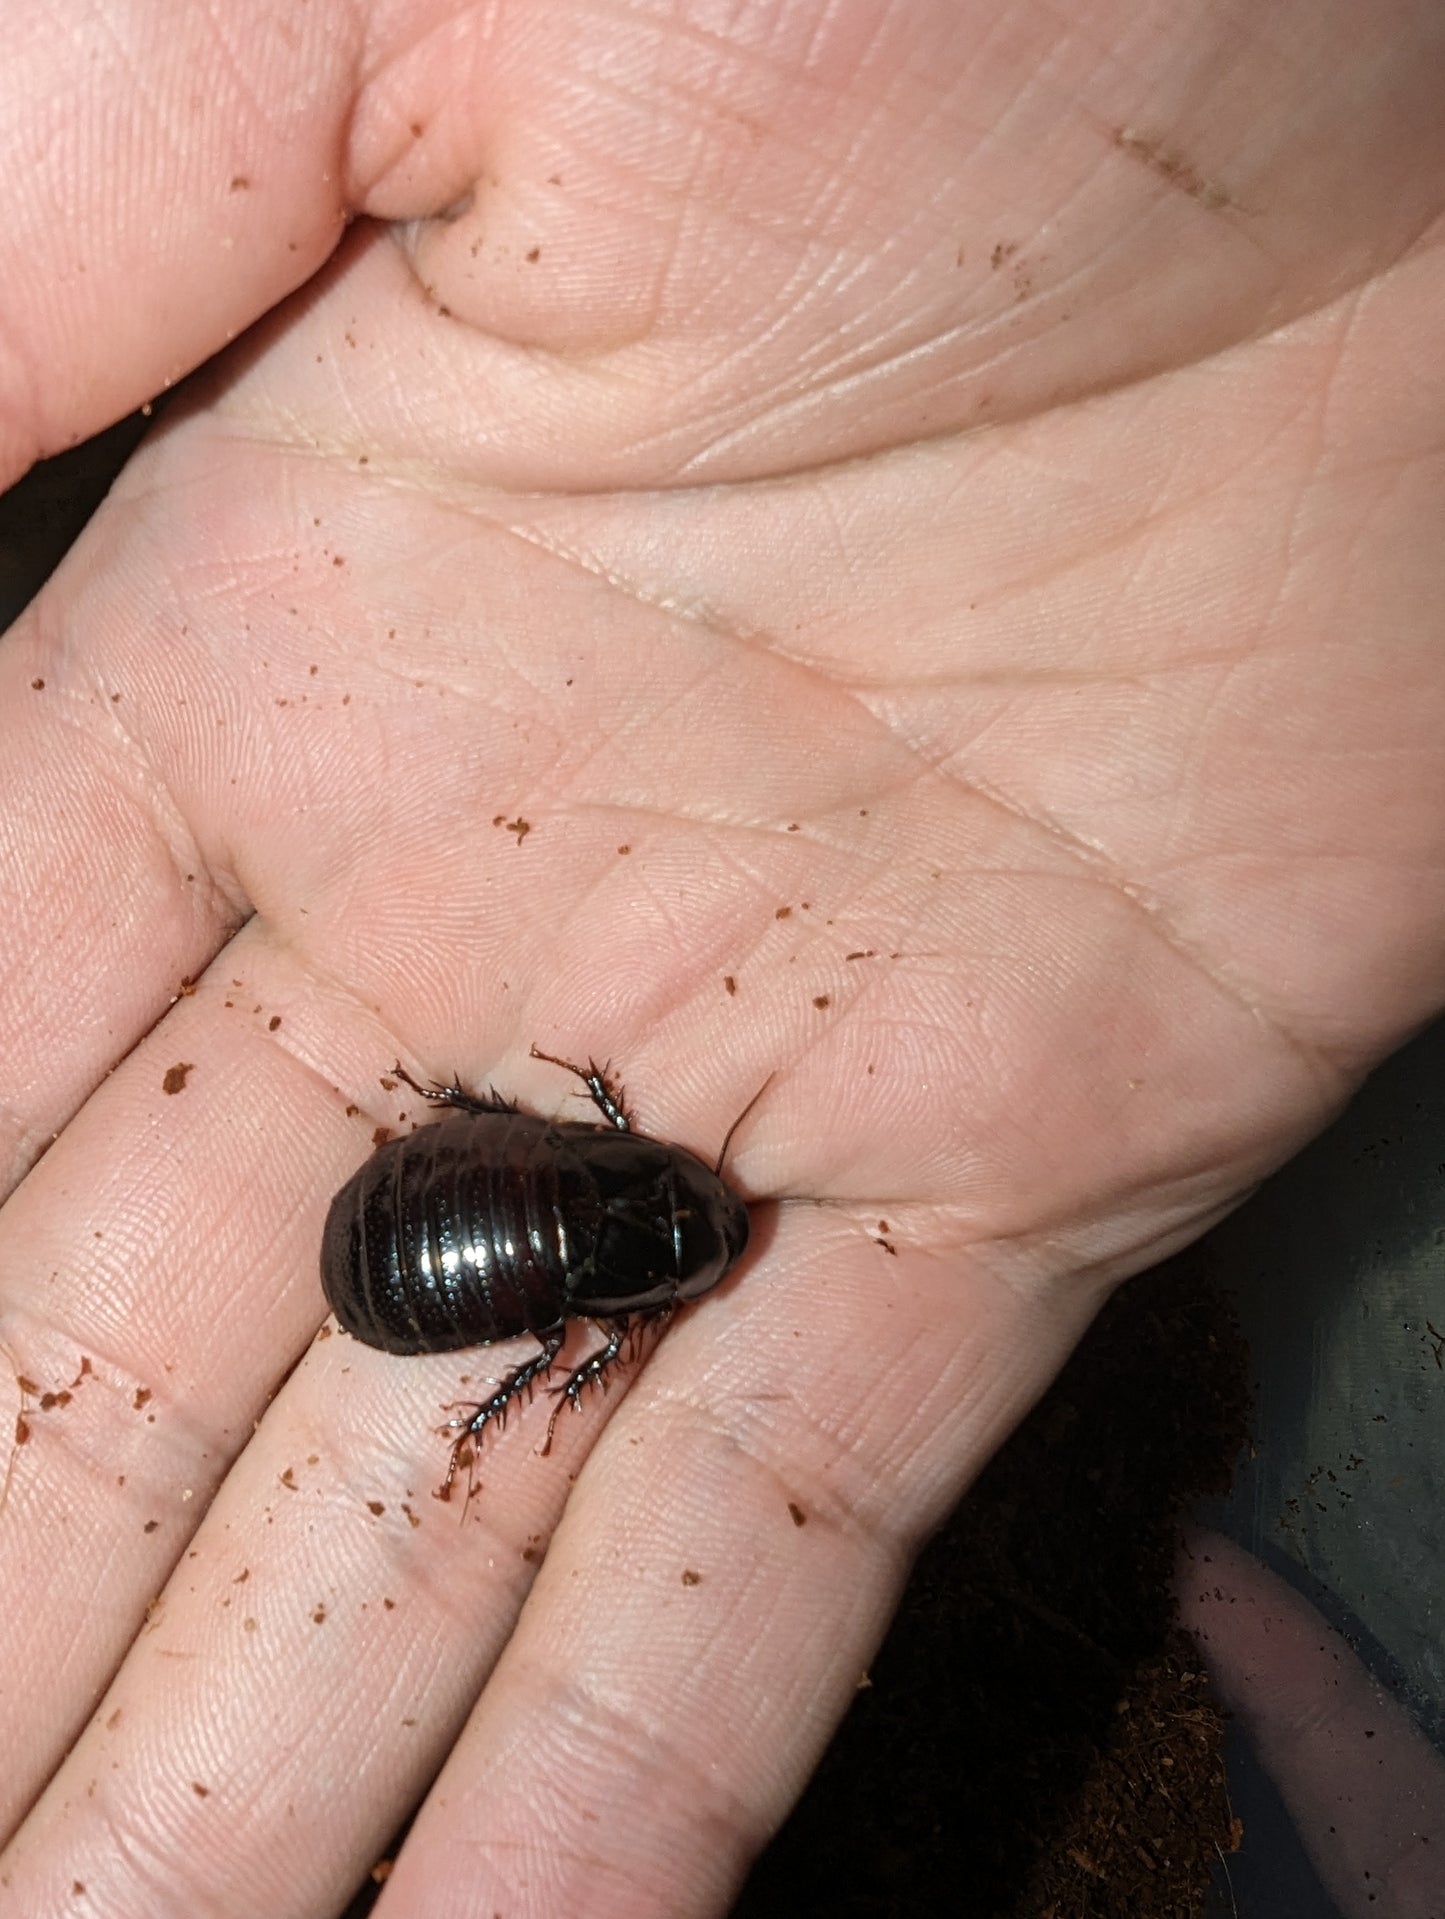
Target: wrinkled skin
[[972, 479]]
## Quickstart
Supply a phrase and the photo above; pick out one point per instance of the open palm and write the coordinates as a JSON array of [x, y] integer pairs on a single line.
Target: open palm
[[893, 547]]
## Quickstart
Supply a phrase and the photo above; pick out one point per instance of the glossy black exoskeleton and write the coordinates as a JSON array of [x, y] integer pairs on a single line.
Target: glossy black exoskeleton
[[490, 1223]]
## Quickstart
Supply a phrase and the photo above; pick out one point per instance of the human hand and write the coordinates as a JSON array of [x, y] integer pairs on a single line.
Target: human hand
[[1364, 1786], [928, 518]]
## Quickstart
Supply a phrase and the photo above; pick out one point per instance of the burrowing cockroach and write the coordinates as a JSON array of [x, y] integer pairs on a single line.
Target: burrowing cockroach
[[490, 1223]]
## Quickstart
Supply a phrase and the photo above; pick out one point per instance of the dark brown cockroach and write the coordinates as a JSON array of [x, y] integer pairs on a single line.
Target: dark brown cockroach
[[491, 1223]]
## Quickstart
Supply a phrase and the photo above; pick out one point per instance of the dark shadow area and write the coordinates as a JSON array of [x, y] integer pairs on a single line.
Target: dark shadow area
[[41, 516]]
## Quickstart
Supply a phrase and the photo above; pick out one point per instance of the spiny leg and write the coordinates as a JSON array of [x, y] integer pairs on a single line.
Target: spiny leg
[[594, 1369], [454, 1095], [496, 1407], [641, 1322], [607, 1099]]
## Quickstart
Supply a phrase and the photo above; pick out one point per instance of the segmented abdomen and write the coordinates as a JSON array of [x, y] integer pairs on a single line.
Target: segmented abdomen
[[461, 1233]]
